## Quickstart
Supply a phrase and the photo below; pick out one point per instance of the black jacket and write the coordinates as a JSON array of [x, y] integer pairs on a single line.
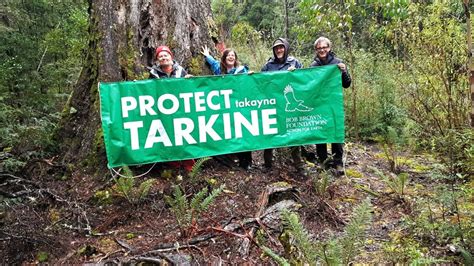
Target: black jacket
[[178, 72], [333, 60], [274, 65]]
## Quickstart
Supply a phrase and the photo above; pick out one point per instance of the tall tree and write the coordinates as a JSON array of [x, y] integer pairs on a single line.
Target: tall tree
[[471, 55], [123, 35]]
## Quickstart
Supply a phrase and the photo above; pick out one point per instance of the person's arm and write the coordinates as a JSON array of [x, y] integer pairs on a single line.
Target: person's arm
[[346, 78], [213, 63]]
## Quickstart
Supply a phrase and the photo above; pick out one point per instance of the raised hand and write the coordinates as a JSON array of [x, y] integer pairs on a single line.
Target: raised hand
[[205, 51], [342, 67]]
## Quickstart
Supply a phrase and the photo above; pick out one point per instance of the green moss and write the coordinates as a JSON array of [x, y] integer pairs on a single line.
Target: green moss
[[420, 168], [92, 160], [354, 173], [212, 181], [103, 197], [42, 256], [404, 161], [281, 184], [212, 28], [195, 66], [99, 139]]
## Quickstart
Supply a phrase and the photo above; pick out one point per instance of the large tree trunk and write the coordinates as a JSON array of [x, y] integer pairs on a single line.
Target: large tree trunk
[[123, 36]]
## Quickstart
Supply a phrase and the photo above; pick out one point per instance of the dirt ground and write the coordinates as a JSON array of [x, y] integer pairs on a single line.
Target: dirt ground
[[79, 219]]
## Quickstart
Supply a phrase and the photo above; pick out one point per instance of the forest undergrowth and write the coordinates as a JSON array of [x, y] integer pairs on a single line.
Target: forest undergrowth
[[420, 214]]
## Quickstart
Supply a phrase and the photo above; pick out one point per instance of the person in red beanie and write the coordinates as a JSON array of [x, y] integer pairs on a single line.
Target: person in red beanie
[[166, 67]]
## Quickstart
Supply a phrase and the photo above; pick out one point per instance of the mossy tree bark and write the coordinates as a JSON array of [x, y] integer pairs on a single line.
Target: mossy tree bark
[[123, 36]]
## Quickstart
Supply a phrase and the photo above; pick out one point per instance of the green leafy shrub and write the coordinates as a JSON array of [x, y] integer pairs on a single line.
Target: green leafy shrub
[[125, 186], [188, 212], [397, 183], [300, 249], [321, 183], [403, 249], [103, 197], [456, 150], [197, 167]]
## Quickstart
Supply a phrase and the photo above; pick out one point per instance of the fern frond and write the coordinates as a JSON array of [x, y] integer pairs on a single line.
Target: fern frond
[[144, 188], [354, 233], [179, 206], [210, 198], [180, 199], [197, 166], [124, 187], [198, 198], [127, 171], [303, 243], [278, 259], [321, 183], [467, 256]]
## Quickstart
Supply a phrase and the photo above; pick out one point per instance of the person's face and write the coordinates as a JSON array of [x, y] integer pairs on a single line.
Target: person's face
[[322, 50], [279, 51], [230, 59], [164, 59]]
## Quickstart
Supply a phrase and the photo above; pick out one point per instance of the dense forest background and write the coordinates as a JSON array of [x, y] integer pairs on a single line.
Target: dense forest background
[[409, 61]]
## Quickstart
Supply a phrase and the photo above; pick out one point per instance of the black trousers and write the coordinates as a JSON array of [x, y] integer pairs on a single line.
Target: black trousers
[[336, 152], [245, 159]]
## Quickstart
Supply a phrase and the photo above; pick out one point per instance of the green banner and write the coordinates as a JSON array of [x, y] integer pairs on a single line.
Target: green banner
[[174, 119]]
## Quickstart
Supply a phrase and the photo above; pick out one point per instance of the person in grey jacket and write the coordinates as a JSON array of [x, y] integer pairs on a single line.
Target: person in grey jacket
[[279, 62], [324, 56]]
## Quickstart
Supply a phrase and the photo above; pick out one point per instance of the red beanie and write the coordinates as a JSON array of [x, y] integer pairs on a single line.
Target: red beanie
[[163, 48]]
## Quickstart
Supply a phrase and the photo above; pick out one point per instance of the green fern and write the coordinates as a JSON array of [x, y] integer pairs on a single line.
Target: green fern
[[335, 251], [291, 222], [179, 206], [198, 198], [185, 211], [144, 188], [197, 166], [467, 256], [397, 184], [210, 199], [278, 259], [125, 187], [321, 184], [354, 233]]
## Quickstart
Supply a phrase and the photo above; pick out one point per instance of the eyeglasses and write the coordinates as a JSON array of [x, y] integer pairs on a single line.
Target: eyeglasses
[[322, 48]]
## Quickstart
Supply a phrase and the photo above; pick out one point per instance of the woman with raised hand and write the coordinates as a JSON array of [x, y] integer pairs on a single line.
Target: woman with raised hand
[[229, 64]]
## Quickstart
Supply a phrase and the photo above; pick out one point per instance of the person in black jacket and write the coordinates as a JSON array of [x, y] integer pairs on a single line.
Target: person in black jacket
[[166, 67], [324, 56], [279, 62]]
